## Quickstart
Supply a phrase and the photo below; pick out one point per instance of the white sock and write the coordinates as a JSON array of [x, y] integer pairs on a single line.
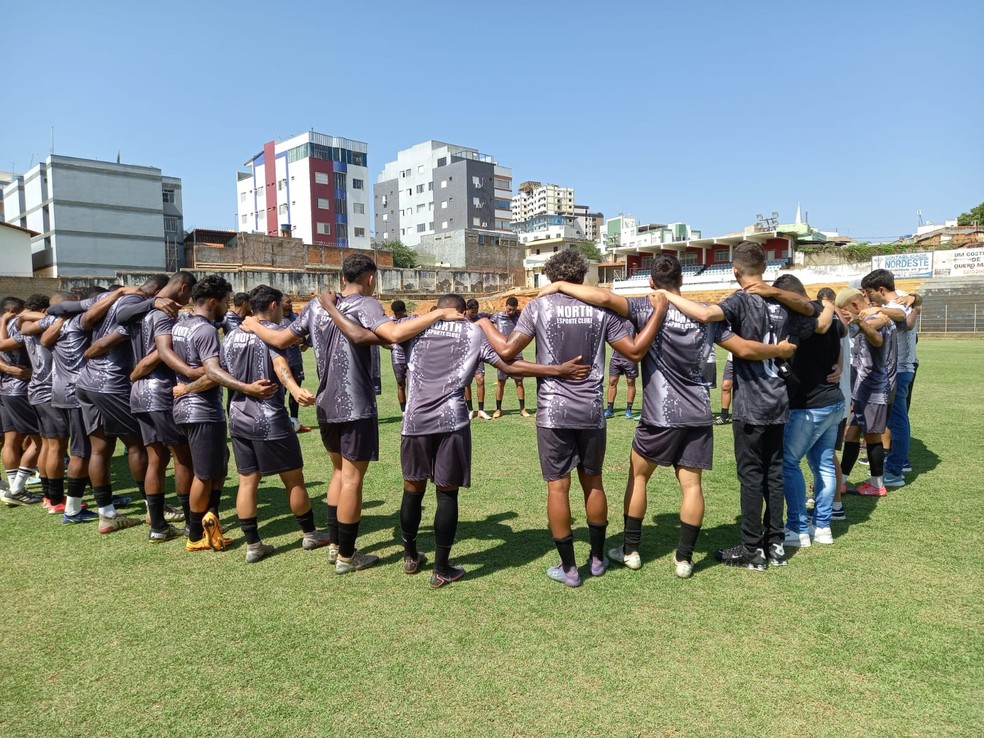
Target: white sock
[[19, 482], [73, 505], [878, 481], [838, 506], [108, 512]]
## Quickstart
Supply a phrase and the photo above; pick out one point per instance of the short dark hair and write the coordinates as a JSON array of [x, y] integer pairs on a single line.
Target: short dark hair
[[825, 293], [790, 283], [355, 266], [239, 298], [37, 302], [211, 287], [262, 295], [12, 304], [878, 278], [452, 300], [472, 304], [91, 291], [181, 278], [398, 306], [566, 266], [667, 272], [512, 302], [748, 258], [155, 283]]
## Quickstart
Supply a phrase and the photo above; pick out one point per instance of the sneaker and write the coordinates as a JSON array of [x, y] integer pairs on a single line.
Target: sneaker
[[821, 535], [559, 574], [867, 489], [907, 467], [683, 569], [314, 540], [332, 553], [631, 560], [14, 499], [4, 485], [722, 420], [628, 414], [838, 513], [497, 414], [201, 544], [454, 573], [257, 551], [483, 415], [122, 501], [173, 515], [524, 413], [796, 540], [213, 532], [161, 536], [598, 566], [740, 556], [609, 414], [34, 480], [894, 480], [304, 429], [863, 460], [117, 522], [58, 509], [412, 565], [85, 516], [358, 562], [777, 554]]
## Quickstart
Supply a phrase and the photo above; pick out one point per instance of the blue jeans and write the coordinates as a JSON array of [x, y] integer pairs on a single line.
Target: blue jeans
[[810, 433], [898, 423]]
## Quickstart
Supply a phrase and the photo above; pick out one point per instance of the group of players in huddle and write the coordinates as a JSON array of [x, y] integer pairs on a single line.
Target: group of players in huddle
[[79, 372]]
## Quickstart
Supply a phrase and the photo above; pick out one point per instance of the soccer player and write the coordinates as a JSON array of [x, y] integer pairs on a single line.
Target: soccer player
[[473, 314], [296, 363], [505, 322], [873, 359], [570, 421], [398, 357], [200, 415], [675, 428], [619, 366], [727, 385], [837, 511], [757, 312], [235, 314]]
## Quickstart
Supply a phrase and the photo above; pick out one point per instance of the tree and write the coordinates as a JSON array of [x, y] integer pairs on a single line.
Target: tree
[[588, 249], [975, 215], [404, 257]]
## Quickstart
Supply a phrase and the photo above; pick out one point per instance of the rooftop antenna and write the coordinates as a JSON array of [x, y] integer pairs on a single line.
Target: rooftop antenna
[[919, 215], [52, 151]]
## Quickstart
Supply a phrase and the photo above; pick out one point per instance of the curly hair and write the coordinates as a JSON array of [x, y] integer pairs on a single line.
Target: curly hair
[[566, 266]]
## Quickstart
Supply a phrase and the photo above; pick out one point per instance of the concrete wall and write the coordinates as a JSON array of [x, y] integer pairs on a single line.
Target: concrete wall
[[15, 252]]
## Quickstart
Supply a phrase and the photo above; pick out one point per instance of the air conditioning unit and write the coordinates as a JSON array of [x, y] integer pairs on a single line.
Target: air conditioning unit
[[485, 224]]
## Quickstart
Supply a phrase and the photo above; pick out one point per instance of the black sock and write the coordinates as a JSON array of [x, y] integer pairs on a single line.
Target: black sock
[[332, 525], [632, 537], [249, 528], [725, 413], [185, 501], [688, 538], [103, 495], [56, 491], [155, 508], [481, 406], [195, 529], [850, 456], [445, 526], [214, 498], [596, 534], [565, 547], [410, 511], [522, 404], [76, 487], [469, 404], [876, 459], [44, 487], [498, 404], [611, 407], [403, 407], [306, 521], [628, 407], [347, 533]]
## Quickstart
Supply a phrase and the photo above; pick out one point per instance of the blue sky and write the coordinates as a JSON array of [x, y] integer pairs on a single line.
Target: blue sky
[[703, 112]]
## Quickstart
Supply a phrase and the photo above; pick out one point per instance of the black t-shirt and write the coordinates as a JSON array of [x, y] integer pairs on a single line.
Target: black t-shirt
[[813, 361]]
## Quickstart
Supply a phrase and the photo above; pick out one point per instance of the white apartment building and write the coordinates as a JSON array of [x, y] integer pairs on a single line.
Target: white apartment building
[[311, 186], [535, 199]]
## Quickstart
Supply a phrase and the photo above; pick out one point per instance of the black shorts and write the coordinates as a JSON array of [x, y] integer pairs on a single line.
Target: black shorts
[[5, 424], [78, 444], [355, 440], [19, 416], [729, 371], [444, 458], [691, 447], [617, 367], [710, 375], [51, 422], [400, 372], [209, 453], [158, 426], [502, 376], [107, 412], [869, 417], [272, 456], [841, 428], [562, 450]]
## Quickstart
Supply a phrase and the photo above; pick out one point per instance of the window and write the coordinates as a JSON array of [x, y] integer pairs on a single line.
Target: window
[[358, 184], [430, 226], [243, 220], [481, 240], [385, 217], [321, 177], [421, 227], [444, 224], [386, 235], [420, 169], [168, 195], [420, 207], [477, 182], [339, 180], [324, 228], [688, 258], [170, 224], [477, 221], [430, 206], [385, 201], [242, 197], [721, 255], [283, 209], [430, 186], [359, 208], [443, 161], [444, 184], [280, 184], [444, 204], [323, 203], [410, 192], [339, 206], [360, 232], [420, 189]]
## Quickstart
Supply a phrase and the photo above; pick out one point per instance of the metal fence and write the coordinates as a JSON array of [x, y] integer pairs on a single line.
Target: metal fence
[[967, 318]]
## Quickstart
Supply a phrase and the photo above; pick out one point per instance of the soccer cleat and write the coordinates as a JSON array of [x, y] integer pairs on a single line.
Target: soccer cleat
[[631, 560], [85, 516], [15, 499], [201, 544], [213, 532], [304, 429], [119, 501], [598, 566], [838, 513], [776, 555], [497, 414], [453, 574], [894, 480], [609, 414], [314, 540], [796, 540], [358, 562], [524, 413], [722, 420], [257, 551], [628, 414], [332, 553], [484, 415], [58, 509], [863, 460], [34, 480], [161, 536], [683, 569], [117, 522], [740, 556], [4, 485], [559, 574], [412, 565], [867, 489], [173, 514], [821, 535]]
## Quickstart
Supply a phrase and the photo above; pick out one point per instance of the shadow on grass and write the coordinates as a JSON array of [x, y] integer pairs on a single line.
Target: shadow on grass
[[922, 457]]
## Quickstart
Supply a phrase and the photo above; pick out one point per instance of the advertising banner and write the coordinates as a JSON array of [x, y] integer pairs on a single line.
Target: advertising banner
[[905, 265]]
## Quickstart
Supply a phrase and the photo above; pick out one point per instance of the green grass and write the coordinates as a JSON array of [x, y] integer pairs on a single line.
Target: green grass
[[879, 634]]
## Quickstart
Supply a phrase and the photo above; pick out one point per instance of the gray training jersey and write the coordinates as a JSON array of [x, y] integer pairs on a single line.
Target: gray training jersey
[[674, 393], [110, 373], [39, 388], [249, 360], [312, 326], [565, 328], [504, 322], [441, 362], [345, 390], [14, 386], [68, 361], [874, 368], [195, 340], [398, 355], [152, 393]]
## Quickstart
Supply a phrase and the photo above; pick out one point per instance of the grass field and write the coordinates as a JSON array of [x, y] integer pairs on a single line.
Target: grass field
[[880, 634]]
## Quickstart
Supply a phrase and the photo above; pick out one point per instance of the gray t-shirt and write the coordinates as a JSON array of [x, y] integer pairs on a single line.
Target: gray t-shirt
[[398, 355], [441, 362], [230, 322], [14, 386], [249, 360], [906, 342], [110, 373], [759, 392], [195, 340], [152, 393], [345, 390], [504, 322], [874, 368], [565, 328], [39, 388], [674, 393], [68, 361]]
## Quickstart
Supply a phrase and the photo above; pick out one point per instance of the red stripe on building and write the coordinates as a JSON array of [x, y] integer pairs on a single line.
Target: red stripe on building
[[326, 192], [270, 195]]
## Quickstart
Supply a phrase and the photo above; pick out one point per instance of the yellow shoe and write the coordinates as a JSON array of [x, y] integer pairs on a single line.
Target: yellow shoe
[[497, 414], [199, 545], [213, 532]]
